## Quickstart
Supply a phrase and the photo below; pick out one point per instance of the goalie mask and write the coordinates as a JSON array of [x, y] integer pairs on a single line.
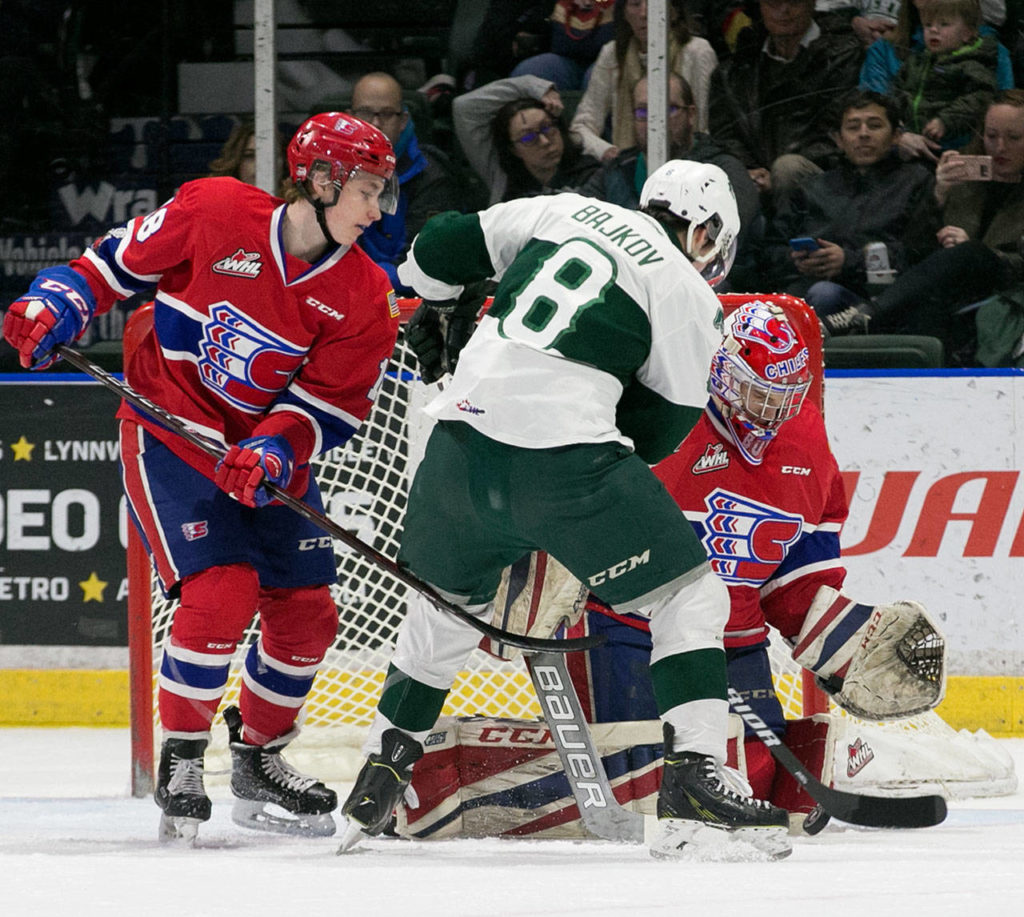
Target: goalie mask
[[759, 376], [701, 195], [339, 146]]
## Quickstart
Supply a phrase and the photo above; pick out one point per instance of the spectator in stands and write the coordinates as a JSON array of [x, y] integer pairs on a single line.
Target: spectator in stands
[[980, 250], [578, 29], [515, 138], [874, 19], [620, 180], [622, 62], [427, 180], [886, 56], [237, 157], [489, 37], [771, 101], [946, 85], [871, 196]]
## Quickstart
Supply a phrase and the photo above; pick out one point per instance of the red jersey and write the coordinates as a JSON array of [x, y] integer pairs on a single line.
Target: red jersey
[[243, 331], [771, 531]]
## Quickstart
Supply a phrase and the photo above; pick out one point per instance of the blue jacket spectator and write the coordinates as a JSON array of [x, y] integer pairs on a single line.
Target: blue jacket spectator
[[428, 183]]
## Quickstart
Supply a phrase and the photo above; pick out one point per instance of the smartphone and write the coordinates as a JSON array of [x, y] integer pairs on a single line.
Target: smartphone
[[804, 244], [979, 168]]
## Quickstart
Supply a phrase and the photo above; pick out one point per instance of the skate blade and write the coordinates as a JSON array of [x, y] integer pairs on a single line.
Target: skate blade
[[178, 830], [262, 816], [680, 839], [353, 835]]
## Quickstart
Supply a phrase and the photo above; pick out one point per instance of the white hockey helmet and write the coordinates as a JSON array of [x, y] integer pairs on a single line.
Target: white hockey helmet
[[702, 194]]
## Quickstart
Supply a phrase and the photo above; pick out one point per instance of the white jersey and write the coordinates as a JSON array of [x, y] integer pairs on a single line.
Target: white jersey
[[601, 329]]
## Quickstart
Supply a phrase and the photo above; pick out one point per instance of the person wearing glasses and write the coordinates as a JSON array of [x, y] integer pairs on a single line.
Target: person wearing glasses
[[515, 138], [427, 179], [620, 181], [603, 119]]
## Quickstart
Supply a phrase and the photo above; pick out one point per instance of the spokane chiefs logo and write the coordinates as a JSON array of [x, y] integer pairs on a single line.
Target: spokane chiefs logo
[[746, 540], [757, 321], [240, 359]]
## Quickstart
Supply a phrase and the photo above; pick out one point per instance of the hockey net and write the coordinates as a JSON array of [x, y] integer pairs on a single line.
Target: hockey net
[[364, 486]]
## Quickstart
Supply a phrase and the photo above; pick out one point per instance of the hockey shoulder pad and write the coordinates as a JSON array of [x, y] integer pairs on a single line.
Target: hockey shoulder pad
[[877, 661], [537, 595]]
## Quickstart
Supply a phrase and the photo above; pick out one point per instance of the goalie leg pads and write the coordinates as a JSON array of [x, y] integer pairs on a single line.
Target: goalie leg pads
[[537, 596], [878, 662]]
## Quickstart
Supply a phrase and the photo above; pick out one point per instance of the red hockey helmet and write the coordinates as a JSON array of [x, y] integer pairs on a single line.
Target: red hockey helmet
[[759, 376], [341, 145]]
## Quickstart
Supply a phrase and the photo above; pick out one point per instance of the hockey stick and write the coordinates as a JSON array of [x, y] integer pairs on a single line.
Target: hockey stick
[[853, 808], [600, 811], [215, 450]]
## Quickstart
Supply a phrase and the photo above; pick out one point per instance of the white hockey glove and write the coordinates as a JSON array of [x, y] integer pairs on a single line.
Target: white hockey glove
[[878, 662], [537, 595]]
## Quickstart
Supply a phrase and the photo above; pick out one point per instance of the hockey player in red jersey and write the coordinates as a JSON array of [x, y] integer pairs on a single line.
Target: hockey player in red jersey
[[271, 332], [757, 480]]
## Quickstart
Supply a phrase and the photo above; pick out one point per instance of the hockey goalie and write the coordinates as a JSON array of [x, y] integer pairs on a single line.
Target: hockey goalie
[[759, 484]]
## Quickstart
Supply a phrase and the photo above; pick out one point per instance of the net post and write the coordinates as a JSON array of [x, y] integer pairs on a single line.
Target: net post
[[140, 666], [140, 615]]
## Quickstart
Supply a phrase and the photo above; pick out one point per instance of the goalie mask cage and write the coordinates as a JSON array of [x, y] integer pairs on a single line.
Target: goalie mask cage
[[364, 487]]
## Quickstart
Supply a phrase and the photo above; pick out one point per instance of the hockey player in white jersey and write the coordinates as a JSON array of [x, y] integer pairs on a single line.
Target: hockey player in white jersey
[[591, 364]]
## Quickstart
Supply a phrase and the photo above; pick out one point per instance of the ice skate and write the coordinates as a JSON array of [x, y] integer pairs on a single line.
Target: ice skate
[[270, 794], [379, 787], [704, 813], [180, 792]]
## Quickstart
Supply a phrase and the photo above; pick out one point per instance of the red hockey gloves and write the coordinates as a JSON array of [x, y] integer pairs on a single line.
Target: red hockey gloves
[[55, 310], [250, 463]]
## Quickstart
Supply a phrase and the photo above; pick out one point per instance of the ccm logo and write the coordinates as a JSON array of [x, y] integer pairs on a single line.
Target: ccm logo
[[558, 708], [623, 566], [795, 469], [324, 308], [309, 544]]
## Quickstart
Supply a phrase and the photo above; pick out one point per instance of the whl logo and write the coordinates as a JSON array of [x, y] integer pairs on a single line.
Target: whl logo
[[240, 264], [860, 755], [714, 458]]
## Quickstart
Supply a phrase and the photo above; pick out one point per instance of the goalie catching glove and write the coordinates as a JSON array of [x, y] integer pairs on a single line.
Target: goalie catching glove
[[536, 596], [878, 662], [439, 329]]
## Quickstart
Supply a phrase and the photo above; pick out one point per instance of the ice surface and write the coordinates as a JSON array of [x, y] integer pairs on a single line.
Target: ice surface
[[73, 842]]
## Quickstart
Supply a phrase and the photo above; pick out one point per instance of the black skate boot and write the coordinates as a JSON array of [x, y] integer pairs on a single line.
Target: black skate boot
[[699, 812], [261, 778], [179, 790], [379, 787]]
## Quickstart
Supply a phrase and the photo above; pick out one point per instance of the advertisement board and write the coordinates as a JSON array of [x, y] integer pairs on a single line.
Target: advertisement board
[[62, 518], [932, 466]]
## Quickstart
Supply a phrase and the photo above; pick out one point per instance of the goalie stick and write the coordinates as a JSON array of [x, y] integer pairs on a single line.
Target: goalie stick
[[600, 811], [215, 450], [853, 808]]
